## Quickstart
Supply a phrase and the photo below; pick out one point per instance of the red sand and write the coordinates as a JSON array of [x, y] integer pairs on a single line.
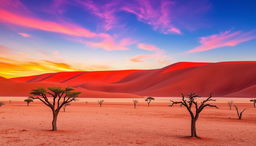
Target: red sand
[[120, 124], [223, 79]]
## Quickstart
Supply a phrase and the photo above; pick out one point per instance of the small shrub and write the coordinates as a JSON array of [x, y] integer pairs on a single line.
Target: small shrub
[[135, 102], [100, 102], [230, 104]]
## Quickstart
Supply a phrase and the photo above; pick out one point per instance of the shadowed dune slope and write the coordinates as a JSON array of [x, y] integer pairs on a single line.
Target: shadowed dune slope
[[236, 79]]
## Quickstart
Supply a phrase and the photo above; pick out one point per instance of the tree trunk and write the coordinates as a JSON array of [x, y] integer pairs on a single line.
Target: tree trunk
[[27, 103], [193, 127], [54, 121], [240, 116], [254, 104]]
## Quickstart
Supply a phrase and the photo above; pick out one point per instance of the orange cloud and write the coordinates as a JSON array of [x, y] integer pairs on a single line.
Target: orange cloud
[[12, 68], [141, 58], [224, 39], [13, 64]]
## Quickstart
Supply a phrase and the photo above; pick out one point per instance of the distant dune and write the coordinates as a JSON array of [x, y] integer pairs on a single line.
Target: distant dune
[[223, 79]]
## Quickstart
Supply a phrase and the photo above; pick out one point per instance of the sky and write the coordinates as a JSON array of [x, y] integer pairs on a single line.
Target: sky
[[41, 36]]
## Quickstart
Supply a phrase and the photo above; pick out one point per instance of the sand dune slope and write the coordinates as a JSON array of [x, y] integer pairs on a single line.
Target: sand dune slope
[[221, 79]]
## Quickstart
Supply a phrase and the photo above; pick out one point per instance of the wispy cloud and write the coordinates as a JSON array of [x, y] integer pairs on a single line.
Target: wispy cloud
[[147, 47], [12, 68], [104, 41], [155, 14], [3, 49], [156, 54], [165, 16], [224, 39], [108, 43], [36, 23], [14, 63], [25, 35], [104, 11]]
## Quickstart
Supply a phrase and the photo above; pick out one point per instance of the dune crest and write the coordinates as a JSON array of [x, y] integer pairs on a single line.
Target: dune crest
[[236, 79]]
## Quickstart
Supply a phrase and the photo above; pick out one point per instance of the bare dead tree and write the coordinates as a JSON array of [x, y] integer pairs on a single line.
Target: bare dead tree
[[254, 102], [55, 98], [190, 102], [135, 102], [149, 99], [239, 114], [65, 106], [100, 102], [230, 104], [28, 100]]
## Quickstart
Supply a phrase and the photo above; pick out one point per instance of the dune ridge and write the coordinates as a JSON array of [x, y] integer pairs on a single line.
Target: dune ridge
[[223, 79]]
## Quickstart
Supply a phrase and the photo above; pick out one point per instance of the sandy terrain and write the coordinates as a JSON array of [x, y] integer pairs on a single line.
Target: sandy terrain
[[117, 123]]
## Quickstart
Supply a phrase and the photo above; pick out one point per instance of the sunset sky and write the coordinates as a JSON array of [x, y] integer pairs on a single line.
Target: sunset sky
[[39, 36]]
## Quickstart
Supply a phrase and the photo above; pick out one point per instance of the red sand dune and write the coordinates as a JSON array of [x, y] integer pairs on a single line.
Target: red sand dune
[[236, 79]]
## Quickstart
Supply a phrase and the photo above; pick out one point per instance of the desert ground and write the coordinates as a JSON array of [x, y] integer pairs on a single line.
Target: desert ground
[[118, 123]]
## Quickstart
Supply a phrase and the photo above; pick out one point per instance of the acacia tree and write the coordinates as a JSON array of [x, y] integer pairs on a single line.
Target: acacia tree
[[135, 102], [230, 103], [149, 99], [55, 98], [254, 102], [1, 104], [28, 100], [190, 102], [239, 114]]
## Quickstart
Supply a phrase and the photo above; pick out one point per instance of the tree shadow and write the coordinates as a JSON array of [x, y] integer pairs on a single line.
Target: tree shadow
[[195, 138], [189, 137]]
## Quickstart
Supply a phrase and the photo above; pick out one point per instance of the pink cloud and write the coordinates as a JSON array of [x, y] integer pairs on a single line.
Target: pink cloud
[[157, 54], [224, 39], [3, 49], [174, 30], [25, 21], [156, 15], [104, 11], [106, 41], [162, 15], [25, 35], [109, 44], [153, 13], [147, 47]]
